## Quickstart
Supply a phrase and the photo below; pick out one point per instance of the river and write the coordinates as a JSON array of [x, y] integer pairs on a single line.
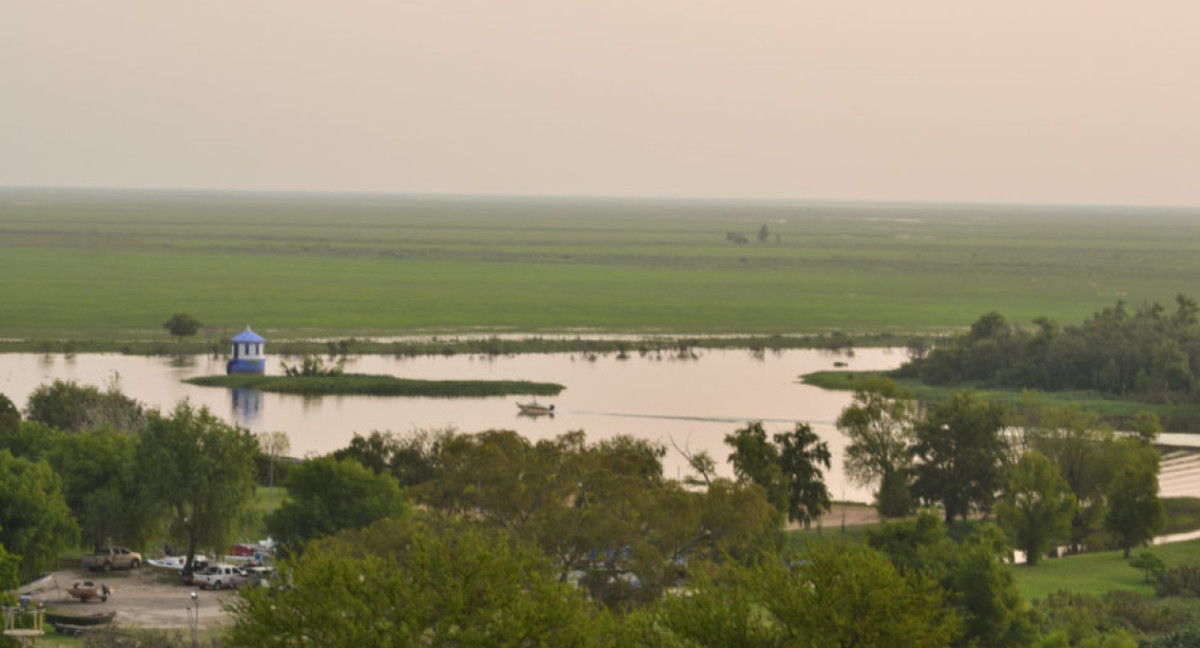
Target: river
[[690, 403]]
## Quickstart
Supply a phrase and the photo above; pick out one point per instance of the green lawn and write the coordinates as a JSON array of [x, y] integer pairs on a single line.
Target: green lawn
[[111, 265], [1097, 573]]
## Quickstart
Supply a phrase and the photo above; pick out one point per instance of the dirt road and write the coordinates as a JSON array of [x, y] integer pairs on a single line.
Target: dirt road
[[147, 597]]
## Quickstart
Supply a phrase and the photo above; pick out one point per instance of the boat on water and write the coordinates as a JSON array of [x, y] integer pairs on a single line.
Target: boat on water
[[535, 408]]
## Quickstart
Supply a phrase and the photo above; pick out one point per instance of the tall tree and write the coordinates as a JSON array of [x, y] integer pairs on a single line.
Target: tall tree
[[801, 456], [199, 472], [878, 424], [961, 455], [1037, 506], [1081, 446], [35, 522], [1135, 512], [755, 459]]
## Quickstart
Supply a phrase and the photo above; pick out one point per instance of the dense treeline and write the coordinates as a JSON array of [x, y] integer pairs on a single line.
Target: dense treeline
[[1147, 353], [489, 538]]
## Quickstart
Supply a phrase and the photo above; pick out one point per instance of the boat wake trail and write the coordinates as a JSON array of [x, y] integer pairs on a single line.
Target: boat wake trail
[[702, 419]]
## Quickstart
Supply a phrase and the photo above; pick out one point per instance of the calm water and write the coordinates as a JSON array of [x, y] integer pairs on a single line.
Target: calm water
[[690, 403]]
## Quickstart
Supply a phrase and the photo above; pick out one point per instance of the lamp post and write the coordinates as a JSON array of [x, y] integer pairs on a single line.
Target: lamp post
[[194, 619]]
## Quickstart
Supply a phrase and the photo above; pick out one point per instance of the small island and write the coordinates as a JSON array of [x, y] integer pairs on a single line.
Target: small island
[[377, 385]]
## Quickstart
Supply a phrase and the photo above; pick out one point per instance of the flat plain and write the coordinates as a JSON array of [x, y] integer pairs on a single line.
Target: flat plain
[[113, 265]]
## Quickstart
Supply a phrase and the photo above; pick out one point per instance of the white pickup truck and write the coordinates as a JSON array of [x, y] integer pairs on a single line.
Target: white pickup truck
[[219, 576]]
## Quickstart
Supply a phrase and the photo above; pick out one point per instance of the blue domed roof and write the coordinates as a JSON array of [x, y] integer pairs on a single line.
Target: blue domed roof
[[248, 336]]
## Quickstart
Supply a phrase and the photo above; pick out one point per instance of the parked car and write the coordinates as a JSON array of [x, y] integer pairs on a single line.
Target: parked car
[[219, 576], [110, 558]]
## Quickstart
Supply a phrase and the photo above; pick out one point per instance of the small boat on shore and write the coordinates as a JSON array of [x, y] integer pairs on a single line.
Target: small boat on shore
[[98, 618], [88, 590], [176, 563], [72, 624], [535, 409]]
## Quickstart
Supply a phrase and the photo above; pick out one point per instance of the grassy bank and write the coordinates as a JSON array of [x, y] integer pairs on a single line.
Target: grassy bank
[[1176, 416], [369, 385], [111, 266]]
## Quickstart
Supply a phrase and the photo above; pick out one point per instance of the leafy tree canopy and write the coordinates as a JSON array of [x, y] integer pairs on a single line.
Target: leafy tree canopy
[[182, 325], [460, 586], [878, 424], [35, 522], [1037, 506], [960, 455], [197, 471], [1147, 352], [102, 486], [71, 407], [326, 495]]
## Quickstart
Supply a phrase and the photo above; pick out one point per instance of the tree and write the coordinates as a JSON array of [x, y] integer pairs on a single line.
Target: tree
[[763, 233], [182, 325], [272, 444], [71, 407], [35, 523], [102, 486], [801, 456], [1145, 425], [878, 424], [960, 454], [326, 495], [10, 570], [459, 586], [10, 417], [1037, 507], [198, 471], [1081, 446], [602, 512], [843, 595], [1149, 564], [1135, 513], [978, 582], [755, 459]]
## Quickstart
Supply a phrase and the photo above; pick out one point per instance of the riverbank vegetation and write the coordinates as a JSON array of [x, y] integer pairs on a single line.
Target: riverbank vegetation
[[339, 266], [374, 385], [1117, 364]]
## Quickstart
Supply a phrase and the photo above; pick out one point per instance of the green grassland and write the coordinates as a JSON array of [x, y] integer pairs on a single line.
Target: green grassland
[[113, 265]]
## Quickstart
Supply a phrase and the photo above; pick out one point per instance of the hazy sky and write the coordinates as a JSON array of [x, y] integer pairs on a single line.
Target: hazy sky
[[1082, 101]]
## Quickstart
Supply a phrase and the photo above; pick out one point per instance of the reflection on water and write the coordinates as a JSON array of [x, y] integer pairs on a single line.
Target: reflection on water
[[247, 404]]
